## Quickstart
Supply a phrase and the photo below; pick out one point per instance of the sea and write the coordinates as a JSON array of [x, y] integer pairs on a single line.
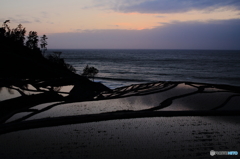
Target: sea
[[122, 67]]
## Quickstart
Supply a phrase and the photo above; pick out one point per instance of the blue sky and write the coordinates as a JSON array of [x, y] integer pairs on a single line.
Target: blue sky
[[124, 24]]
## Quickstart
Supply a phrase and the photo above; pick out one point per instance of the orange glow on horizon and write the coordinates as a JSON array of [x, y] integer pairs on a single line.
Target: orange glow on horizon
[[91, 19]]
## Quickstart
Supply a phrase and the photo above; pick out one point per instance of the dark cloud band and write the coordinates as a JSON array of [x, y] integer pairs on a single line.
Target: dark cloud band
[[221, 34], [177, 6]]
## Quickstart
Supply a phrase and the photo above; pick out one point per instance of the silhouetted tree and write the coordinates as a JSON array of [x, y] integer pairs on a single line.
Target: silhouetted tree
[[32, 41], [6, 28], [90, 72], [12, 38], [18, 34], [56, 59], [43, 44], [7, 21], [2, 36]]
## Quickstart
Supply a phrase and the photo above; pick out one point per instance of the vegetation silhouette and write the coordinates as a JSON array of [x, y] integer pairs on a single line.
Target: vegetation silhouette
[[57, 60], [23, 63], [44, 43], [90, 72], [32, 41]]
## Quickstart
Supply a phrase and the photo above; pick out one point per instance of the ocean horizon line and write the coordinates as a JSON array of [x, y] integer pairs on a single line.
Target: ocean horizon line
[[144, 49]]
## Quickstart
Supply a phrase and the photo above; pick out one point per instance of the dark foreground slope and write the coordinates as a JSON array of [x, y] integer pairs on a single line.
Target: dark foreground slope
[[21, 70]]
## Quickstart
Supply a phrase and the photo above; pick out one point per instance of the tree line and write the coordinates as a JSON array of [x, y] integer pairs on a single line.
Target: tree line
[[15, 39]]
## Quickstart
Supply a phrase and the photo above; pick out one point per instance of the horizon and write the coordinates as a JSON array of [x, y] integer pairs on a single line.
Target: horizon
[[144, 49], [139, 24]]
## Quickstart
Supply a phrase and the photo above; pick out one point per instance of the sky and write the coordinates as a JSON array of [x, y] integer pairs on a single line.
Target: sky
[[124, 24]]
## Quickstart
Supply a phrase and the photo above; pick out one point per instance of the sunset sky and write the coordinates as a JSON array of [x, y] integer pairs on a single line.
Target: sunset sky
[[124, 24]]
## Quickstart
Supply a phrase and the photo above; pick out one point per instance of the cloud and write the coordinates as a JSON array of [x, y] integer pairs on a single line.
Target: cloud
[[114, 25], [24, 21], [45, 14], [37, 20], [224, 34], [19, 21], [160, 16], [163, 23], [174, 6]]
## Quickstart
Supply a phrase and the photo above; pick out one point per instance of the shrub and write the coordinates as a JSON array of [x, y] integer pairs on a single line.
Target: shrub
[[89, 72]]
